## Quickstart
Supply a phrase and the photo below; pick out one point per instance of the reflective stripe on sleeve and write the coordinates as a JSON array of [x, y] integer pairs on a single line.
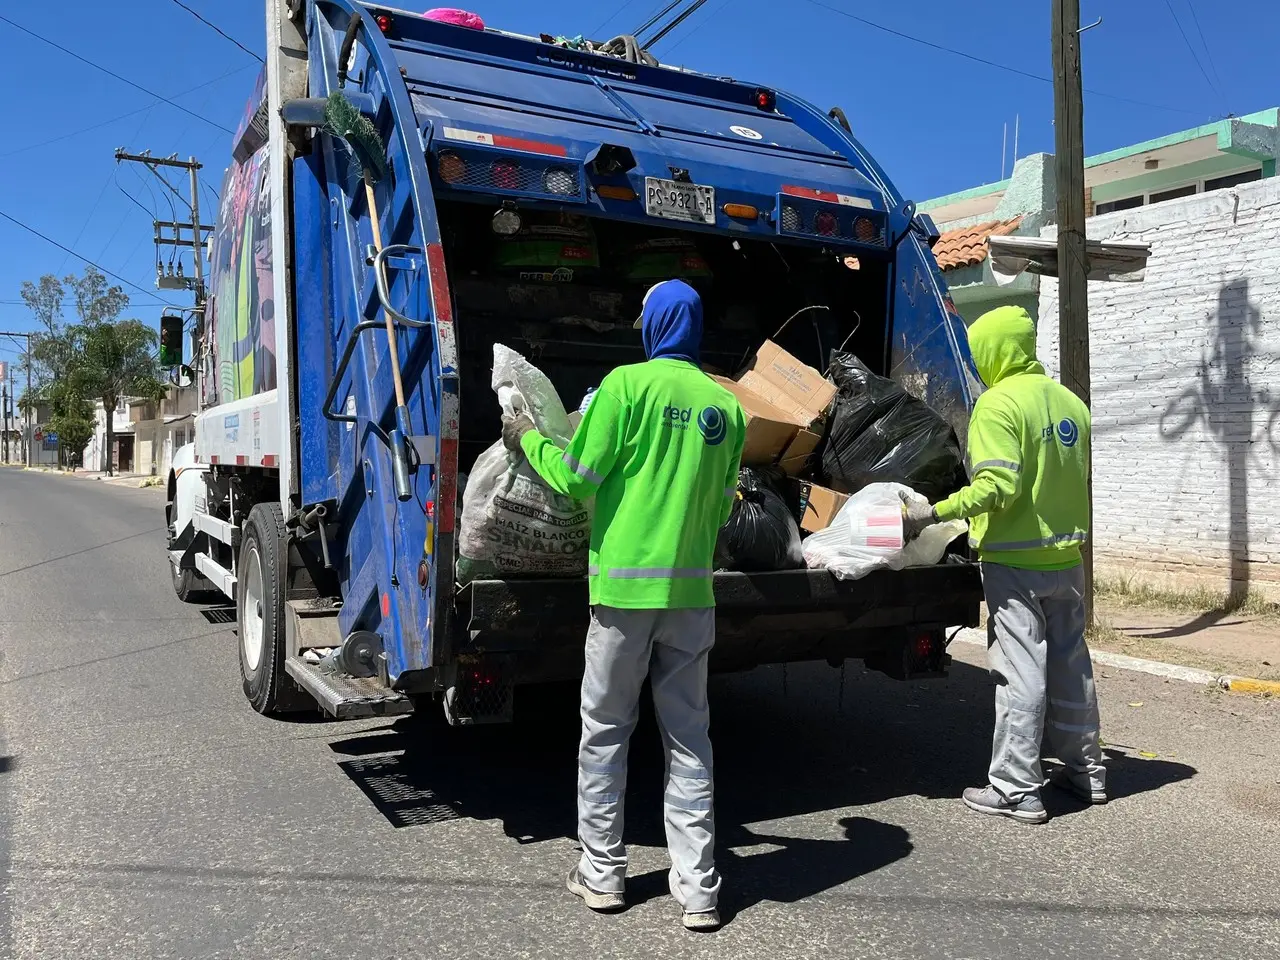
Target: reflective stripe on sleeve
[[730, 492], [1006, 464], [1032, 544], [582, 470]]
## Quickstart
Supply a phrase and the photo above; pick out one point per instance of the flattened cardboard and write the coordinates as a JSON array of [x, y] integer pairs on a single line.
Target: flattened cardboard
[[789, 385], [769, 431], [798, 453]]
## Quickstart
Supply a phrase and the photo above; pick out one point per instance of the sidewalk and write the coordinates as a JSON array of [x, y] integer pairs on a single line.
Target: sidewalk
[[1225, 643], [120, 479]]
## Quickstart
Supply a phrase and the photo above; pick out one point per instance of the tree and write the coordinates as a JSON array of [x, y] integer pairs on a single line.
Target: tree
[[113, 360], [44, 300], [98, 357], [95, 302], [72, 419]]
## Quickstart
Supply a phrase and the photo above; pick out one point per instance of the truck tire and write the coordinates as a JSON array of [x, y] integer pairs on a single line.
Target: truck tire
[[260, 614], [187, 584]]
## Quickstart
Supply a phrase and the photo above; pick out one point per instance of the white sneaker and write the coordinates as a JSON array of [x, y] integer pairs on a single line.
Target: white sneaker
[[703, 921]]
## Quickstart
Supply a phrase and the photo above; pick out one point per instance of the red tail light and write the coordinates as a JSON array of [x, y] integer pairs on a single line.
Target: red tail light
[[924, 646], [383, 22], [826, 224], [506, 176]]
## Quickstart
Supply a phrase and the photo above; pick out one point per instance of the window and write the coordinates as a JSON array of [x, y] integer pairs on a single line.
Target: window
[[1128, 203], [1232, 180], [1176, 193]]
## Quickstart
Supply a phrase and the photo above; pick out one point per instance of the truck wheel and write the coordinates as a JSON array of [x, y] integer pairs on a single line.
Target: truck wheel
[[186, 584], [260, 613]]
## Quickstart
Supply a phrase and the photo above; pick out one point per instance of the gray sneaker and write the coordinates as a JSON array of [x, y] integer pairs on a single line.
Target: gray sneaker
[[1079, 787], [704, 921], [595, 899], [988, 800]]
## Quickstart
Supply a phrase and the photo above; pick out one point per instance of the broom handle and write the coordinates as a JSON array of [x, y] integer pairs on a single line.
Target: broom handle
[[392, 347]]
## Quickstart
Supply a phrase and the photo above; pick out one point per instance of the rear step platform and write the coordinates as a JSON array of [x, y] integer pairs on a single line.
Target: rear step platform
[[347, 698]]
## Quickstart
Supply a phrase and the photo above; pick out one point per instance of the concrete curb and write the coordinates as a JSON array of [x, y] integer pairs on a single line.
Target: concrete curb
[[1157, 668]]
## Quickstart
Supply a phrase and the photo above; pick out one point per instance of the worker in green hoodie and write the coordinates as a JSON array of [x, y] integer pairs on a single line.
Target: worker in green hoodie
[[658, 447], [1028, 510]]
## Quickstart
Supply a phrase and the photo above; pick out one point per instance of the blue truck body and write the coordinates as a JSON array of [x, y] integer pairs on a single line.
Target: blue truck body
[[530, 126]]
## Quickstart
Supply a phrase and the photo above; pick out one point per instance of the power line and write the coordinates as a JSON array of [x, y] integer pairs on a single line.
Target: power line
[[1194, 56], [611, 17], [218, 31], [112, 73], [990, 63], [655, 18], [1208, 54], [701, 23], [123, 116], [47, 239]]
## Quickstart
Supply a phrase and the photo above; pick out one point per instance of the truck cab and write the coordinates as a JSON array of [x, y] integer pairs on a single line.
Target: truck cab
[[532, 194]]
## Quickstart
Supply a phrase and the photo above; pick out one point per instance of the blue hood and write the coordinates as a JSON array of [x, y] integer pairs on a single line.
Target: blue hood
[[671, 322]]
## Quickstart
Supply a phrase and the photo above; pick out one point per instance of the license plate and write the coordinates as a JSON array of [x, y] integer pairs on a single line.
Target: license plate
[[673, 200]]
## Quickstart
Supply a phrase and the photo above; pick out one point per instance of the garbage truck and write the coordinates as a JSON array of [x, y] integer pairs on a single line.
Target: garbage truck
[[528, 192]]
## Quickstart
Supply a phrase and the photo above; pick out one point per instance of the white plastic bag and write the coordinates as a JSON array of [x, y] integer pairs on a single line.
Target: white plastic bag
[[866, 534], [512, 522]]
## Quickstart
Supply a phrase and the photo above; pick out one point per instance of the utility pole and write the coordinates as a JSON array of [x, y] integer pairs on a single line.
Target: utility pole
[[30, 430], [4, 406], [1073, 268], [171, 281]]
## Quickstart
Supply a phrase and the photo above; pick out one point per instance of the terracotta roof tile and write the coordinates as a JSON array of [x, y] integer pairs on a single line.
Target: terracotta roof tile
[[967, 246]]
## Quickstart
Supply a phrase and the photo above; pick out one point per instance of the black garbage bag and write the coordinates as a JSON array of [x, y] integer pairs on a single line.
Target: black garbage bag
[[761, 532], [877, 433]]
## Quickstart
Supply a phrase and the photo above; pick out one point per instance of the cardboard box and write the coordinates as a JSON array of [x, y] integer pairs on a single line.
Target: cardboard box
[[796, 457], [575, 418], [769, 430], [816, 506], [789, 385]]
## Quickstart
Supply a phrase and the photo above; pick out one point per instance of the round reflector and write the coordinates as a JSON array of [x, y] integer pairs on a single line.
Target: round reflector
[[506, 223], [560, 181], [452, 167]]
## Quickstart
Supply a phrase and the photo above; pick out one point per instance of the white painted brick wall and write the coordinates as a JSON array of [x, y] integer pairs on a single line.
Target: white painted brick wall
[[1186, 392]]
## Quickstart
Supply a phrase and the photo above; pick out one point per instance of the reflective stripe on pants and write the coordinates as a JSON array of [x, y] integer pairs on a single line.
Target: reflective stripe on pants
[[1044, 678], [672, 648]]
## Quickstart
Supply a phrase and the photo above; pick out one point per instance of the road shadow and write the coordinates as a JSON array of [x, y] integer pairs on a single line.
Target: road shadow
[[1210, 618], [788, 743]]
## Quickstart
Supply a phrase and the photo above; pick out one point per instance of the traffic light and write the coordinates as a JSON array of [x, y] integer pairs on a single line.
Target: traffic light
[[171, 340]]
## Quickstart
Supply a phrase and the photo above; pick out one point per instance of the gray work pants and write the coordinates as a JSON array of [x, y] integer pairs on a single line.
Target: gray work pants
[[672, 647], [1044, 678]]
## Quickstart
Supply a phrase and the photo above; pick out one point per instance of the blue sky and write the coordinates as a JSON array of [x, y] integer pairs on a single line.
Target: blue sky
[[931, 118]]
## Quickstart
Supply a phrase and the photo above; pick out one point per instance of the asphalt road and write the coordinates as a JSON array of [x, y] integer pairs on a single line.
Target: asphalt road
[[147, 812]]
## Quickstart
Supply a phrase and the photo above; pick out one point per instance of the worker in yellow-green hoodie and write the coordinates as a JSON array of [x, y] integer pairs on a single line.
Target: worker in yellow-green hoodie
[[1028, 510]]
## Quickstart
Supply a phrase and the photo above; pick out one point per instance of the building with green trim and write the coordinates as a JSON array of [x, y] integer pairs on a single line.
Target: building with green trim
[[1210, 157]]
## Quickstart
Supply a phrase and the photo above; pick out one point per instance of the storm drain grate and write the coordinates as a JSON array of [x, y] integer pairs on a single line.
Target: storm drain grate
[[220, 614]]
